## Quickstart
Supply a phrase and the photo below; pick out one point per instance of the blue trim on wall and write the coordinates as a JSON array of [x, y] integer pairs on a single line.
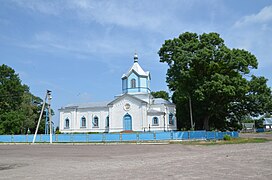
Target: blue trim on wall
[[142, 89], [140, 86]]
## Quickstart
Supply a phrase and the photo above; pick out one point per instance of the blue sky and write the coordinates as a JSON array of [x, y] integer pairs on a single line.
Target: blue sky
[[79, 49]]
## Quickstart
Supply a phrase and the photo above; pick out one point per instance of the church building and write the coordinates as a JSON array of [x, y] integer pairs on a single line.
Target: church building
[[134, 110]]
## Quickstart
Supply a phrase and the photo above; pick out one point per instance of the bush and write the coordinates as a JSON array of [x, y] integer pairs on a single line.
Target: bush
[[227, 137], [57, 132]]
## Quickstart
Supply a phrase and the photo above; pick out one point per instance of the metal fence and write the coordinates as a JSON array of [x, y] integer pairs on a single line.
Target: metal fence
[[120, 137]]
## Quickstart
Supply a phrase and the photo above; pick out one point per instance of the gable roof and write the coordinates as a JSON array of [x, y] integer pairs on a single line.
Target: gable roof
[[86, 105], [126, 95]]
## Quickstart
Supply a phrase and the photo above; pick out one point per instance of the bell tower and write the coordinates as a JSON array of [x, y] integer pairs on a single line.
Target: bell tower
[[136, 80]]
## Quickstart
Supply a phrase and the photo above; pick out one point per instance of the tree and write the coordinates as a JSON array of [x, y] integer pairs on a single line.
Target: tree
[[11, 97], [161, 94], [215, 78], [11, 89], [30, 107], [57, 130], [19, 109]]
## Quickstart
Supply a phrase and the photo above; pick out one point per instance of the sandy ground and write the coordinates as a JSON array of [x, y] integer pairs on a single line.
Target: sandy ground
[[136, 161], [256, 135]]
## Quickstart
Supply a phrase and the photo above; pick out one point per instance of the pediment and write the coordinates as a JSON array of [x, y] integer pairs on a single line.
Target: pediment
[[127, 97]]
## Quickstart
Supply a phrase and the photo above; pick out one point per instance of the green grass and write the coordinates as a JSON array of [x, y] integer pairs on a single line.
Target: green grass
[[232, 141]]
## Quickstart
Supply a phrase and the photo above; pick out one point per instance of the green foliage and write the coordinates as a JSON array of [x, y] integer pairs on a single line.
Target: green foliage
[[11, 90], [247, 119], [267, 115], [57, 130], [216, 79], [226, 137], [161, 94], [11, 122], [19, 109], [259, 123]]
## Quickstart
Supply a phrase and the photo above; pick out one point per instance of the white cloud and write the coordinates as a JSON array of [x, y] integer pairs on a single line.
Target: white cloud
[[104, 12], [156, 16], [121, 14], [47, 7], [50, 42], [252, 32], [264, 16], [84, 49]]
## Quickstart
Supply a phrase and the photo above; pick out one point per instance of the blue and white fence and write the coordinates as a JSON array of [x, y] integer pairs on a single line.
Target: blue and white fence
[[120, 137]]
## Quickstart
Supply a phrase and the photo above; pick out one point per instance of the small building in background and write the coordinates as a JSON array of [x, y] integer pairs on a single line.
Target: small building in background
[[267, 123], [248, 127]]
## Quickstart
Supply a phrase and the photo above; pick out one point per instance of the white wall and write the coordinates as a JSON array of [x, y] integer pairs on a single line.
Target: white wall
[[117, 112], [75, 116], [138, 112]]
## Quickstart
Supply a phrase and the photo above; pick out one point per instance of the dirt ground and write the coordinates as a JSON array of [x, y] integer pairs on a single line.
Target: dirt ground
[[256, 135], [135, 161]]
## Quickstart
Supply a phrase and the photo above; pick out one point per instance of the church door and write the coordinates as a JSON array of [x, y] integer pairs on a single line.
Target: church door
[[127, 122]]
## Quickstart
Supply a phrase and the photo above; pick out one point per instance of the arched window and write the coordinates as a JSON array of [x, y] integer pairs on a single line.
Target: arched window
[[107, 121], [155, 121], [133, 83], [83, 122], [171, 119], [67, 125], [95, 121]]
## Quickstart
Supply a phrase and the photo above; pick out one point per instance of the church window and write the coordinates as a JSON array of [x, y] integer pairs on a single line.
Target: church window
[[107, 121], [83, 122], [67, 123], [155, 121], [133, 83], [95, 121], [171, 119]]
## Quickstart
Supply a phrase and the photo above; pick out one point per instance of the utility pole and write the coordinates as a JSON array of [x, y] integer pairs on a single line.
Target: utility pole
[[49, 97], [34, 138], [50, 115]]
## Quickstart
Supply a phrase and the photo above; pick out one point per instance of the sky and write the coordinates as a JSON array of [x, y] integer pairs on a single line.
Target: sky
[[79, 49]]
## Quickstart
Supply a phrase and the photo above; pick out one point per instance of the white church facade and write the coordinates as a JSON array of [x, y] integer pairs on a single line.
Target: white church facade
[[134, 110]]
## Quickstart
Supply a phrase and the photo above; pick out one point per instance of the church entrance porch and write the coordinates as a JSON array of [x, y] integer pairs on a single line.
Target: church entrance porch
[[127, 123]]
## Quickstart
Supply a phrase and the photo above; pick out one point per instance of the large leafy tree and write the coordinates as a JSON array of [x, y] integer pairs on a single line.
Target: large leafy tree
[[30, 108], [214, 79], [19, 109], [160, 94], [11, 89]]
